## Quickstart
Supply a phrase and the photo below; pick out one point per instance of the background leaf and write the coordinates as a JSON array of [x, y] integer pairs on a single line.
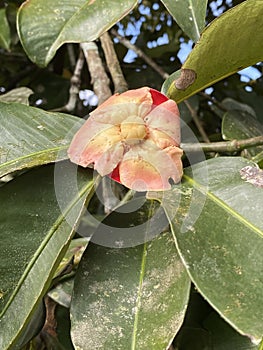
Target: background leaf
[[5, 36], [45, 25], [19, 95], [238, 125], [34, 237], [189, 14], [221, 245], [30, 136], [226, 46], [204, 329], [129, 298]]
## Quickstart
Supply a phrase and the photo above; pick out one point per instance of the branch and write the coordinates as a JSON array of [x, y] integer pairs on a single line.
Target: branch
[[99, 78], [223, 146], [140, 53], [197, 121], [75, 83], [120, 84], [101, 83]]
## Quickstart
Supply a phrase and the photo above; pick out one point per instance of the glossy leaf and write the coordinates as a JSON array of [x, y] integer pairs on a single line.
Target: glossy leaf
[[129, 298], [219, 233], [34, 237], [230, 43], [45, 25], [189, 14], [5, 36], [30, 136]]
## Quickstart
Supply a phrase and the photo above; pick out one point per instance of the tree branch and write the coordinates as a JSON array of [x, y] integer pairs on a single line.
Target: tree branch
[[99, 78], [197, 121], [120, 84], [140, 53], [75, 83], [223, 146]]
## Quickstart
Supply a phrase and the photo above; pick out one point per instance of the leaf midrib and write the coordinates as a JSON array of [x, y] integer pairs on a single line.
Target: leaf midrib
[[31, 156], [49, 235], [222, 204]]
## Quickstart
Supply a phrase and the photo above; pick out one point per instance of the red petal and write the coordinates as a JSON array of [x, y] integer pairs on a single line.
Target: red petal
[[157, 97], [115, 175]]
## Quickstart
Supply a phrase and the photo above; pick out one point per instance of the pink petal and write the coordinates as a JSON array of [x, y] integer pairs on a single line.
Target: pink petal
[[137, 102], [165, 118], [146, 167], [92, 141], [109, 160]]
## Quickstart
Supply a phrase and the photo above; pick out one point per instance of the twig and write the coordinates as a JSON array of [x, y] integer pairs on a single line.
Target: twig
[[99, 78], [75, 82], [223, 146], [100, 82], [213, 100], [71, 55], [197, 122], [120, 84], [140, 53]]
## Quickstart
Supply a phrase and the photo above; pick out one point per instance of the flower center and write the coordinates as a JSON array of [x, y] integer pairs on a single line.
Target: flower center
[[133, 131]]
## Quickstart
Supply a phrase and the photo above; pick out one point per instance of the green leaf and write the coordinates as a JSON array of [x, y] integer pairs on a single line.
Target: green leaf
[[30, 136], [19, 95], [204, 329], [44, 25], [230, 43], [129, 298], [189, 14], [219, 233], [5, 36], [238, 125], [225, 337], [34, 237]]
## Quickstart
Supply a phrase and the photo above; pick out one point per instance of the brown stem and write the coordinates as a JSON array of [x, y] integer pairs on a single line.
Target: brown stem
[[99, 78], [120, 84], [140, 53], [223, 146], [197, 121], [75, 83]]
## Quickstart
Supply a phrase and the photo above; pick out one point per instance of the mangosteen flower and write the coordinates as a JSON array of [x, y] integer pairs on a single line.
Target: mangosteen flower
[[134, 138]]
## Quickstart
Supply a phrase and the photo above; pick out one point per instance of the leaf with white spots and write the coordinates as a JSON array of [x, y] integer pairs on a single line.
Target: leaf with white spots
[[31, 137], [129, 298], [218, 229]]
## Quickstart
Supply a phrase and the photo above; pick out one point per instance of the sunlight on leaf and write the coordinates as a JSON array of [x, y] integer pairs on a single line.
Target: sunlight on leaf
[[189, 14], [45, 25], [30, 136]]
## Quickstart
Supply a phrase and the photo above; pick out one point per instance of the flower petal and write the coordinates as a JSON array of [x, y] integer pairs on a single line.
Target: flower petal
[[117, 108], [146, 167], [109, 160], [157, 97], [92, 141], [165, 118]]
